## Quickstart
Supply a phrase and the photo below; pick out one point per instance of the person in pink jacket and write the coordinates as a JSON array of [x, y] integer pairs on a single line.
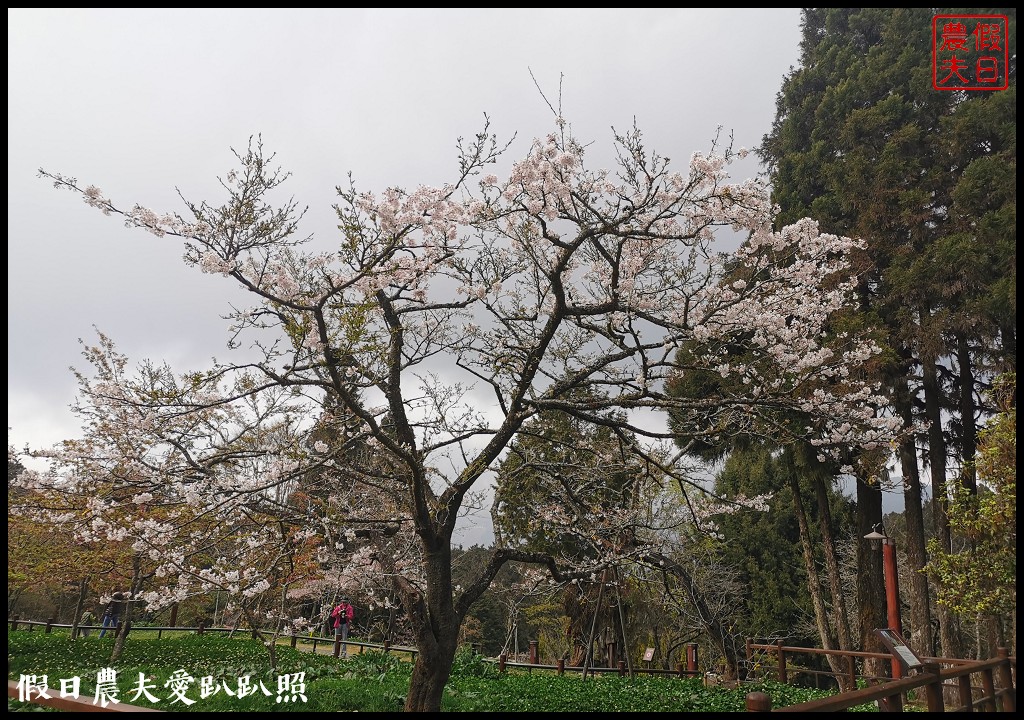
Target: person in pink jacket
[[342, 618]]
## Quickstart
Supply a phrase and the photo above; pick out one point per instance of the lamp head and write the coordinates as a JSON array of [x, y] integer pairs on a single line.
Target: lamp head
[[876, 537]]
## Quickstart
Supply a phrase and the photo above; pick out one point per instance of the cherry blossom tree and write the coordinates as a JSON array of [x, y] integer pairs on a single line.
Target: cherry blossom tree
[[196, 487], [440, 323]]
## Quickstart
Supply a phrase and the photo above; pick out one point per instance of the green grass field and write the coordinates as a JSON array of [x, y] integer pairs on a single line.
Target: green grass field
[[208, 669]]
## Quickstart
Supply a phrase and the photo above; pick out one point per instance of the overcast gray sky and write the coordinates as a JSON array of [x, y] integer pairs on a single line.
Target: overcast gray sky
[[140, 102]]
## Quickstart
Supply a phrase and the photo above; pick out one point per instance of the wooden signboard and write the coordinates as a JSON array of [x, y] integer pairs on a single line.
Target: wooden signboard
[[899, 649], [648, 654]]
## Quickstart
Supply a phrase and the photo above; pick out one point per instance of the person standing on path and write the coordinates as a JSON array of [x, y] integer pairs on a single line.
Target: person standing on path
[[112, 615], [342, 615], [87, 619]]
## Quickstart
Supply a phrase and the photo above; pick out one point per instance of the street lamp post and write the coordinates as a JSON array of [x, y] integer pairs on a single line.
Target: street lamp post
[[892, 589]]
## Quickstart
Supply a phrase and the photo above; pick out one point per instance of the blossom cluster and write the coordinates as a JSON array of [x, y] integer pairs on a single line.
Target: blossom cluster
[[554, 279]]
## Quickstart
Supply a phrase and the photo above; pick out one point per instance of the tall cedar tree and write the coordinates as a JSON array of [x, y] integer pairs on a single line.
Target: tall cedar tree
[[863, 142]]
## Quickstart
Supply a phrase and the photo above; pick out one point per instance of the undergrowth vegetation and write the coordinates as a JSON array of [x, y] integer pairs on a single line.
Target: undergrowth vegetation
[[217, 673]]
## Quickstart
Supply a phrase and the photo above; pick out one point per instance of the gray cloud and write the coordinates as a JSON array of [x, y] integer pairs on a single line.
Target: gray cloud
[[140, 102]]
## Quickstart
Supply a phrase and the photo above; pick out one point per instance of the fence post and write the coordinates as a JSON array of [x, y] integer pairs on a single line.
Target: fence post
[[894, 703], [933, 690], [49, 625], [387, 646], [502, 659], [783, 675], [14, 622], [561, 666], [534, 654], [1009, 698], [989, 689], [295, 640], [758, 702], [691, 657], [201, 628], [851, 669], [963, 684], [337, 646], [622, 668], [681, 669], [174, 615]]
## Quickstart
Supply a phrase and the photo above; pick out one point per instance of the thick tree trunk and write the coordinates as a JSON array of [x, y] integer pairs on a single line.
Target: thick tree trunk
[[969, 476], [870, 579], [968, 450], [841, 618], [436, 629], [948, 631], [828, 641], [916, 543], [429, 676]]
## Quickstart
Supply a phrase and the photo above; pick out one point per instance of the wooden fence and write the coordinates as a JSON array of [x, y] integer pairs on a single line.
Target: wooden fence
[[985, 685], [73, 704], [293, 640], [977, 685]]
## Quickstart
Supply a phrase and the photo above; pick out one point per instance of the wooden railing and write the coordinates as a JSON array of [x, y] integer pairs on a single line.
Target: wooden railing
[[620, 668], [682, 670], [778, 660], [200, 629], [975, 684], [71, 704]]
